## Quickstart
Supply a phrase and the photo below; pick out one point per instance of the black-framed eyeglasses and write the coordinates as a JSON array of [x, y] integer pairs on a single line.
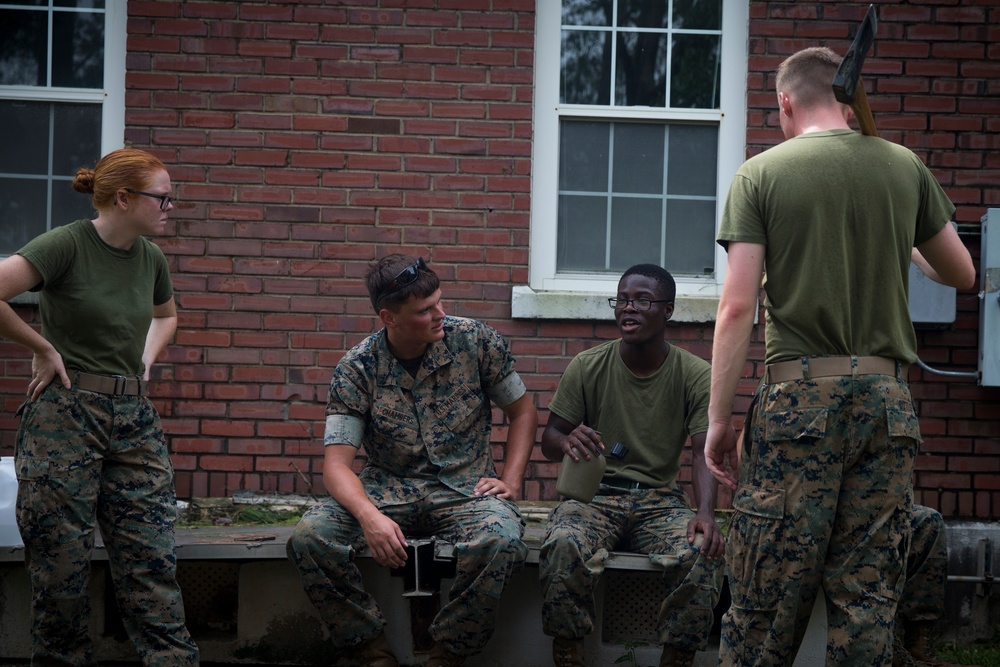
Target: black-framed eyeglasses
[[638, 304], [404, 278], [165, 200]]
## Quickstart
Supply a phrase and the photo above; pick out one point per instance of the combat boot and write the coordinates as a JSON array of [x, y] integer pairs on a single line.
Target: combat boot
[[442, 657], [918, 642], [567, 652], [375, 652], [900, 656], [676, 657]]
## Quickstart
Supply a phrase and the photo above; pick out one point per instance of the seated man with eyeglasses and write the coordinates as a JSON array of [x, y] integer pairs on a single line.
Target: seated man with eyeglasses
[[651, 397], [416, 396]]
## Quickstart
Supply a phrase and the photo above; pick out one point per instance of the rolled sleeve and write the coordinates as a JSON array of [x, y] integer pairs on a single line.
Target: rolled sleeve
[[344, 430], [505, 392]]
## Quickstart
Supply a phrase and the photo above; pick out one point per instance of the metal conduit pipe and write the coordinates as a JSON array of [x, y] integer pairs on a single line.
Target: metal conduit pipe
[[954, 374], [971, 578]]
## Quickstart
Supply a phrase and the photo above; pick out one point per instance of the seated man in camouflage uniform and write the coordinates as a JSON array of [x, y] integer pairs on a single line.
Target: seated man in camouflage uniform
[[416, 395], [650, 396], [922, 602]]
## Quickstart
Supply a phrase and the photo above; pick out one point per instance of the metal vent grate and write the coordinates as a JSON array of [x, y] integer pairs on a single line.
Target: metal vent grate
[[632, 603], [211, 596]]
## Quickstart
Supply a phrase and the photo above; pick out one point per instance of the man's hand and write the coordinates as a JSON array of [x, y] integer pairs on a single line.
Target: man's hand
[[491, 486], [720, 448], [385, 540], [582, 442], [714, 544]]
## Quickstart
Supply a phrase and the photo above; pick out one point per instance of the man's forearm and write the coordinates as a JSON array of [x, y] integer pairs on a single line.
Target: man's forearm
[[729, 353], [706, 487], [344, 486], [520, 442], [517, 455], [733, 327]]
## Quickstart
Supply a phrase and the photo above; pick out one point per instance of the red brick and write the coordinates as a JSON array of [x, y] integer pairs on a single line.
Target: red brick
[[293, 69]]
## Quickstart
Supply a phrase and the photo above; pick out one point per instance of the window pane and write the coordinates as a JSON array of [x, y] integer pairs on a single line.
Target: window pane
[[78, 49], [643, 14], [690, 242], [649, 220], [82, 4], [638, 164], [68, 204], [587, 12], [585, 76], [693, 164], [77, 137], [582, 233], [43, 196], [26, 137], [698, 14], [694, 76], [23, 47], [23, 211], [636, 231], [583, 157], [641, 68]]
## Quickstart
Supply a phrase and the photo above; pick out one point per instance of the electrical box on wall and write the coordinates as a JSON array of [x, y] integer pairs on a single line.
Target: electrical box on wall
[[930, 301], [989, 307]]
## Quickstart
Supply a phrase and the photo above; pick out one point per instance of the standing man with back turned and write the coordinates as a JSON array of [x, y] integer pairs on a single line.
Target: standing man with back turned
[[832, 218], [417, 396]]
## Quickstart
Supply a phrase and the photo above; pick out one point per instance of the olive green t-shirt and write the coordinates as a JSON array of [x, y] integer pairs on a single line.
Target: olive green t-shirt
[[652, 416], [97, 301], [839, 213]]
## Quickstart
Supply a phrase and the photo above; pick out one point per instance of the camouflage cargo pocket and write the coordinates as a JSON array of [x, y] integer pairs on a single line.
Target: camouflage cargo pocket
[[791, 425], [901, 420], [755, 547]]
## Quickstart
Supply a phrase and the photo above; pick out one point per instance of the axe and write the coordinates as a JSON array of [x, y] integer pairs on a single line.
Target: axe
[[847, 85]]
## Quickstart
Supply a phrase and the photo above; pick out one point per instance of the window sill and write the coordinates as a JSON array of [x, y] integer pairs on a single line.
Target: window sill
[[529, 304]]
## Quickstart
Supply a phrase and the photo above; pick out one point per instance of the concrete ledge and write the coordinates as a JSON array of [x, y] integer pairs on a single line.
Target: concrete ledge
[[245, 604]]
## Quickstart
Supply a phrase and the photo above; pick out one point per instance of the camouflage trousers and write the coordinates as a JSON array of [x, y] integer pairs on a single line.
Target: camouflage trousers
[[578, 541], [824, 499], [926, 568], [486, 532], [85, 458]]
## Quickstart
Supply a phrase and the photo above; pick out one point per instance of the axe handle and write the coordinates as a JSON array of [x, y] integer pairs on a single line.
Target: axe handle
[[863, 112]]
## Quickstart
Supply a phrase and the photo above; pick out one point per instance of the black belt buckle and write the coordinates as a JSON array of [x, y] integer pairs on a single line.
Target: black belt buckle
[[121, 385], [624, 484]]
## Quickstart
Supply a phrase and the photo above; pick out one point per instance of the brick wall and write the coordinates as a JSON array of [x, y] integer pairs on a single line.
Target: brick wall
[[305, 140]]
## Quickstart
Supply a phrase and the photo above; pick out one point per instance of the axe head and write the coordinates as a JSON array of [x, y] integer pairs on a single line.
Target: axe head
[[845, 84]]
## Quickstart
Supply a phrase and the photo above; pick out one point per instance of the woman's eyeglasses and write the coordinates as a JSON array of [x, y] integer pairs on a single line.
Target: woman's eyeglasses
[[165, 200]]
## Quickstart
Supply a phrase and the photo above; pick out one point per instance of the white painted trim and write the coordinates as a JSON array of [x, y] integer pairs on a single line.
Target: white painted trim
[[115, 40], [542, 275], [526, 303]]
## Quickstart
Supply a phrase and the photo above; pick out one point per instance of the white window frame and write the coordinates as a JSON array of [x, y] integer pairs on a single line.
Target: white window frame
[[550, 294], [111, 97]]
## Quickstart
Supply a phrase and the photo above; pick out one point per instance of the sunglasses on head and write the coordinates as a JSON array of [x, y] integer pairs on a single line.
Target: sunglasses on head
[[404, 278]]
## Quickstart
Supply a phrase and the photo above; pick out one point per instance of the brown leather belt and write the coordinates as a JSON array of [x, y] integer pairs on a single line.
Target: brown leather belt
[[113, 385], [808, 368]]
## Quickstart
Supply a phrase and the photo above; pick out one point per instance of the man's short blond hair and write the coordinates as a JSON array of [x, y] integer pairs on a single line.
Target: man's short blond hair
[[807, 76]]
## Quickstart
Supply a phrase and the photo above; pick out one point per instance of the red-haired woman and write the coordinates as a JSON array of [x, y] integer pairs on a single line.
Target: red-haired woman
[[90, 448]]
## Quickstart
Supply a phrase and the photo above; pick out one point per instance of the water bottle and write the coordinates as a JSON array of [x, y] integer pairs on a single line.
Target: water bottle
[[579, 479], [9, 535]]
